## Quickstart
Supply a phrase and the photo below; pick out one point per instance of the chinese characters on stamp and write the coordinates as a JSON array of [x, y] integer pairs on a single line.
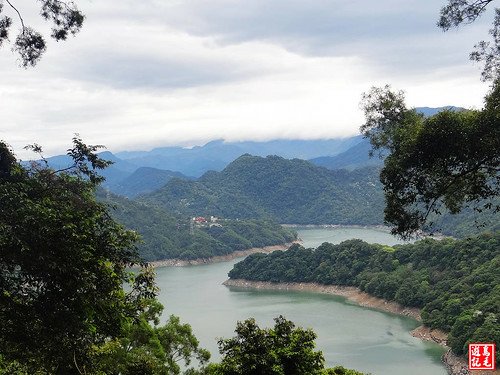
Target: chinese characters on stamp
[[482, 356]]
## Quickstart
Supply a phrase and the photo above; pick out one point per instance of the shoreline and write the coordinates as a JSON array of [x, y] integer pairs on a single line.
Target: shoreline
[[351, 293], [380, 227], [454, 364], [175, 262]]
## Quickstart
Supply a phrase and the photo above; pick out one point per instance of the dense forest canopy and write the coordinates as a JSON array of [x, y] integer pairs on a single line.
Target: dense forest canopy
[[456, 283], [168, 236], [63, 264], [435, 164], [289, 191], [297, 192]]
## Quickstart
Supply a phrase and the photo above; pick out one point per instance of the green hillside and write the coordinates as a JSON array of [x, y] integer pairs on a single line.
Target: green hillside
[[144, 180], [355, 157], [299, 192], [468, 221], [165, 236], [288, 191], [455, 282]]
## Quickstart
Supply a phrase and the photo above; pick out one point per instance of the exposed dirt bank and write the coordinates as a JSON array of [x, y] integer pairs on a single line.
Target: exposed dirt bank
[[458, 366], [220, 258], [351, 293], [455, 365], [429, 334]]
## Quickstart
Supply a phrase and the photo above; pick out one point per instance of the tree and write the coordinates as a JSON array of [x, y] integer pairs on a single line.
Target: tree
[[147, 348], [458, 12], [30, 44], [447, 161], [63, 265], [340, 370], [283, 349]]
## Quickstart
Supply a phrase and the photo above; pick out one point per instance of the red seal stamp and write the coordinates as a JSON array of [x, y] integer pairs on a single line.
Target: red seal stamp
[[482, 356]]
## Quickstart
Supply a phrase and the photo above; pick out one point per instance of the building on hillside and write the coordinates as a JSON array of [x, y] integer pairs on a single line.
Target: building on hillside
[[201, 221]]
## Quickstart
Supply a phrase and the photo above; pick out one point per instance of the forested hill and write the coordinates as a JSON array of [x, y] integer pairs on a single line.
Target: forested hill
[[357, 156], [455, 282], [289, 191], [144, 180], [299, 192], [166, 236]]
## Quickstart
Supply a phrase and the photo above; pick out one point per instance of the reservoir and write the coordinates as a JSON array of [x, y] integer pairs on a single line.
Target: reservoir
[[355, 337]]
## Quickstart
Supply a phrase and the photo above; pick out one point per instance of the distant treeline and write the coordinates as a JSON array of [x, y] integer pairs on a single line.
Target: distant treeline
[[296, 192], [165, 236], [456, 283], [287, 191]]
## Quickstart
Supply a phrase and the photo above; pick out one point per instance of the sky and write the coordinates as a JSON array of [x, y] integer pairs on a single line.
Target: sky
[[144, 74]]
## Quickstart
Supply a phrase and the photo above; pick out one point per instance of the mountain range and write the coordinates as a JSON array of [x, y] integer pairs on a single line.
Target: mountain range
[[355, 157], [297, 192], [217, 154], [138, 172], [288, 191]]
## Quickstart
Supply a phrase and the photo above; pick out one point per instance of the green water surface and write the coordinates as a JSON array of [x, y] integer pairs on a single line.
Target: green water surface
[[356, 337]]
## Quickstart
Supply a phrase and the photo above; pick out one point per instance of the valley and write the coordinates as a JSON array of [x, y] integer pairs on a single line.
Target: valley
[[363, 338], [250, 187]]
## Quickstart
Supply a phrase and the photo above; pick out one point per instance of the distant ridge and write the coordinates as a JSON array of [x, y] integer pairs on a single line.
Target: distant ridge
[[144, 180], [125, 177], [288, 191], [116, 172], [357, 156], [218, 154], [430, 111]]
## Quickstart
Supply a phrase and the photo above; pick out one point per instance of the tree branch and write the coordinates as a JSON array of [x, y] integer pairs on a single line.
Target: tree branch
[[18, 13], [74, 358], [450, 184]]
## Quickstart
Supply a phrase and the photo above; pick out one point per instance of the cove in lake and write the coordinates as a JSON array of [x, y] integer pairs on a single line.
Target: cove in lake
[[349, 335]]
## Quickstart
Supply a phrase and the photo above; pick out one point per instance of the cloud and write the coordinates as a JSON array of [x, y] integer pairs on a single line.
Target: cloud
[[393, 35], [154, 73]]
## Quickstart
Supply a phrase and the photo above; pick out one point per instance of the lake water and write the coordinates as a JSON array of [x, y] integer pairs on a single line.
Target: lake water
[[349, 335]]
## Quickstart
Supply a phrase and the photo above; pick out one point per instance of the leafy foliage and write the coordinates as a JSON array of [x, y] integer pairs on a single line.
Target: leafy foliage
[[384, 112], [446, 160], [288, 191], [456, 283], [295, 191], [458, 12], [63, 265], [282, 350], [29, 43], [147, 348], [340, 370], [166, 236]]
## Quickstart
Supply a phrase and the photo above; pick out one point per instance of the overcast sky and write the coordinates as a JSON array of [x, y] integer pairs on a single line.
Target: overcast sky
[[150, 73]]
